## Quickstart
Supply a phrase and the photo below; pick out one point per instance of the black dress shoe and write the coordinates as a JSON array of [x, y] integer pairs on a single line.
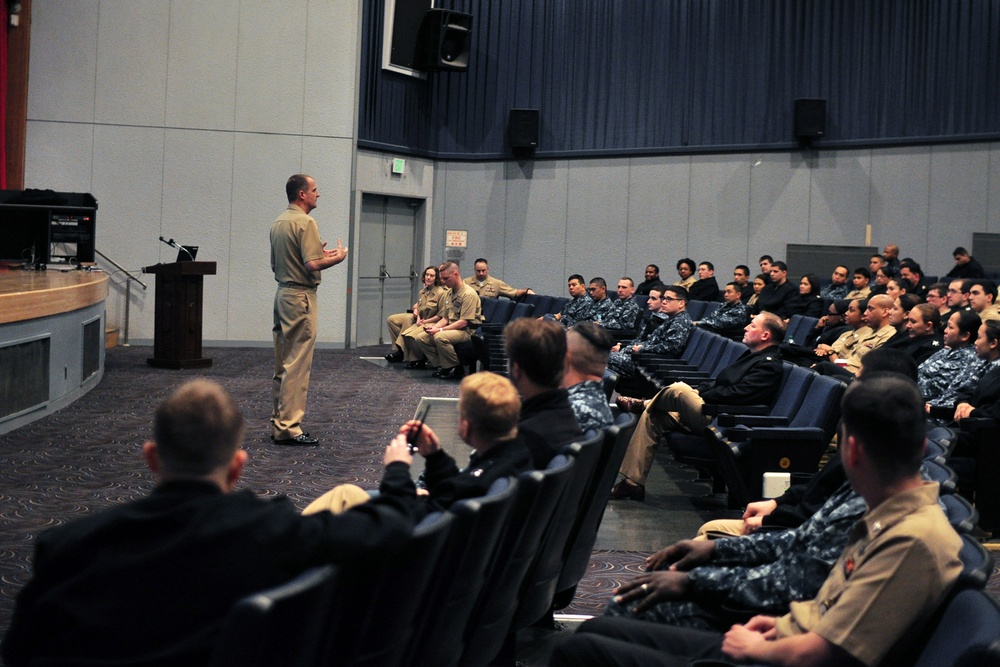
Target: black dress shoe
[[394, 357], [418, 365], [302, 440], [626, 491], [454, 373]]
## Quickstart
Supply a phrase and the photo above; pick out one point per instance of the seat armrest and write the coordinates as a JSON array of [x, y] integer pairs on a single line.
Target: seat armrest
[[755, 421]]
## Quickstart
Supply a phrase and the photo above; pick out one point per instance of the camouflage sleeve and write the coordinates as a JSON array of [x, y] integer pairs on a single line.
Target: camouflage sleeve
[[671, 337]]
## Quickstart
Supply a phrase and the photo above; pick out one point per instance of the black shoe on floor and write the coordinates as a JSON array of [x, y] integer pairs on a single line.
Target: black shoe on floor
[[302, 440], [454, 373], [394, 357], [417, 365]]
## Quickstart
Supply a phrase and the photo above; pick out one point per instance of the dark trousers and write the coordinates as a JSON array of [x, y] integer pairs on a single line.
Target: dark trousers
[[606, 641]]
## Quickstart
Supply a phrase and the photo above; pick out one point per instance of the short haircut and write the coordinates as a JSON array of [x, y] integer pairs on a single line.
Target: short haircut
[[908, 301], [658, 287], [690, 264], [735, 285], [841, 266], [912, 266], [576, 276], [968, 323], [862, 271], [966, 284], [885, 412], [887, 271], [655, 268], [538, 347], [773, 324], [744, 268], [888, 360], [448, 266], [940, 288], [589, 345], [928, 312], [841, 306], [767, 257], [880, 258], [763, 276], [711, 267], [600, 282], [480, 259], [989, 287], [678, 291], [630, 281], [197, 429], [491, 405], [959, 251], [294, 185], [781, 265]]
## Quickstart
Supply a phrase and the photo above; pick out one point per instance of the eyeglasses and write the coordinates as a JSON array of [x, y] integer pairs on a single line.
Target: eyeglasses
[[670, 298]]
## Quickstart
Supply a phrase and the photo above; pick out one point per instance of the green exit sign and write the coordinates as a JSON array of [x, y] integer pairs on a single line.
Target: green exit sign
[[398, 165]]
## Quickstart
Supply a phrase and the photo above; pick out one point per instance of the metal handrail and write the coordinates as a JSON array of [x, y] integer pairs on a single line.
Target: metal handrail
[[128, 291]]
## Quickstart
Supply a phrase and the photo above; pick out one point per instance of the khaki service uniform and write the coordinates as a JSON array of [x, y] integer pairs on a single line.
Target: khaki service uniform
[[427, 304], [439, 349], [491, 288]]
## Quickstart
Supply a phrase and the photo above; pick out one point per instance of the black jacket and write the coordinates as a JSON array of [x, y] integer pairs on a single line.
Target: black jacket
[[753, 379], [706, 289], [774, 299], [547, 423]]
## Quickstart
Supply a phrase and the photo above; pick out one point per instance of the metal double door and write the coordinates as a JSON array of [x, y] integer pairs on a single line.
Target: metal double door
[[388, 281]]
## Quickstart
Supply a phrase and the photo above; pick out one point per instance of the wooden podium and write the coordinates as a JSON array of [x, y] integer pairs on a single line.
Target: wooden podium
[[177, 329]]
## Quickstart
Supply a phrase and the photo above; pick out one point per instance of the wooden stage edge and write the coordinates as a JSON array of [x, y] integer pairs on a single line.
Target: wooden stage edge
[[29, 295]]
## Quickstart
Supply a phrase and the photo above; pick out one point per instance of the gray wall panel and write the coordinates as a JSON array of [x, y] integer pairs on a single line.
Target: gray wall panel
[[537, 227], [778, 210], [657, 214], [900, 178], [720, 191], [839, 197], [959, 191], [597, 213]]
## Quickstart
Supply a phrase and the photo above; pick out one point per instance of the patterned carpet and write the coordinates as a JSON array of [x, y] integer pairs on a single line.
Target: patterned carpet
[[87, 457]]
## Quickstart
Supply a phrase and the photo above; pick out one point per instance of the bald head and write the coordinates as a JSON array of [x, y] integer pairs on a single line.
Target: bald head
[[878, 311]]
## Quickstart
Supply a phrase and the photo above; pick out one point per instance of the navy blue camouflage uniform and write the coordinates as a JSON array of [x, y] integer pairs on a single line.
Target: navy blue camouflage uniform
[[668, 338], [942, 369], [577, 309], [590, 406]]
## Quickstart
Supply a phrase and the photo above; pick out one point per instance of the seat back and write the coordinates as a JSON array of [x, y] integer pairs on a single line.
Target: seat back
[[459, 575], [522, 310], [793, 390], [542, 302], [595, 500], [710, 307], [284, 625], [489, 307], [821, 405], [359, 629], [608, 382], [967, 633], [695, 309], [536, 499], [558, 302], [642, 300], [539, 586], [501, 311]]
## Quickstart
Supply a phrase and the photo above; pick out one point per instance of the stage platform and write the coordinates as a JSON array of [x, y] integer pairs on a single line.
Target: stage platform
[[51, 341]]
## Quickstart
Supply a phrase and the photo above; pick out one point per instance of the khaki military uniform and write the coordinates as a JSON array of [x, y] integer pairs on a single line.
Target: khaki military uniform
[[439, 349], [427, 306], [491, 288]]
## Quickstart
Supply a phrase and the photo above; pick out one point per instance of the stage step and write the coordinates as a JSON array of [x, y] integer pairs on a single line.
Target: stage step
[[110, 338]]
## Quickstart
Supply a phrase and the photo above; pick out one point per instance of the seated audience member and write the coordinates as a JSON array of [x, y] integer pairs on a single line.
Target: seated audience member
[[587, 348], [892, 576], [952, 369], [830, 326], [424, 312], [776, 294], [860, 290], [462, 313], [652, 278], [982, 297], [891, 256], [880, 281], [841, 348], [536, 357], [911, 272], [894, 287], [807, 300], [983, 401], [151, 581], [669, 337], [765, 262], [488, 411], [958, 295], [728, 319], [877, 319], [876, 263], [937, 296], [706, 288], [686, 270], [580, 307], [625, 309], [759, 283], [966, 265], [598, 293], [488, 287], [741, 276], [753, 379], [837, 289], [923, 330], [801, 501]]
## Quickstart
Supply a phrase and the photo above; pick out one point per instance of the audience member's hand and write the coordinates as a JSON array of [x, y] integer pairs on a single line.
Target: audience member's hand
[[617, 347], [426, 441], [760, 508], [963, 410], [684, 555], [398, 450], [751, 525], [648, 589], [743, 642]]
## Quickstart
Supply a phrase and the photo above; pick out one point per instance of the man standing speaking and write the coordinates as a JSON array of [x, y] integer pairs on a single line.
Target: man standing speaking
[[297, 257]]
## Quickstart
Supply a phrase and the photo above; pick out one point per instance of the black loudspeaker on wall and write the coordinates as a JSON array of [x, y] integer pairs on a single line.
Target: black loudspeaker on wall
[[446, 37], [522, 129], [810, 119]]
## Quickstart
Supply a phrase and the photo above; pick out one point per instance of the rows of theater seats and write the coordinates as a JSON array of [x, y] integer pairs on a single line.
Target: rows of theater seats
[[459, 588]]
